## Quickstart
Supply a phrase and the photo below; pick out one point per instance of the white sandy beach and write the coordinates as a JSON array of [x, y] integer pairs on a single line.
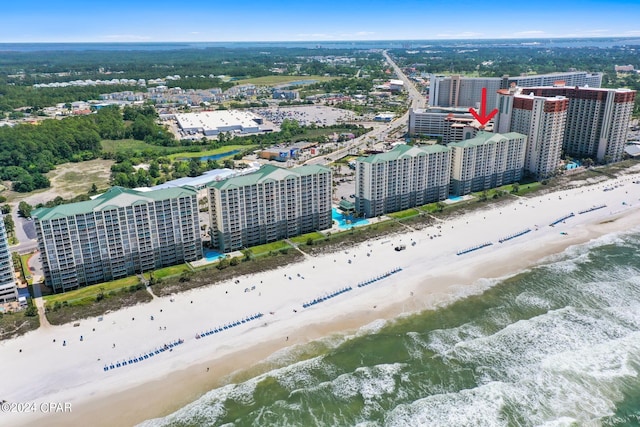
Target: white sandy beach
[[37, 370]]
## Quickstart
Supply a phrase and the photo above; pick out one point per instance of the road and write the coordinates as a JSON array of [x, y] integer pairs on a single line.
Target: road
[[25, 232], [417, 99], [381, 131]]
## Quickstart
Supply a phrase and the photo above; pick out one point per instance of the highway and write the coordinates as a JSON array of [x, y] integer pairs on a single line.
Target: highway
[[381, 131]]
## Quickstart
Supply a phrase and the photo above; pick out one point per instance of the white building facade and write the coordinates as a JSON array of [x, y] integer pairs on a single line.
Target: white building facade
[[597, 120], [489, 160], [118, 234], [268, 205], [8, 288], [402, 178], [542, 119]]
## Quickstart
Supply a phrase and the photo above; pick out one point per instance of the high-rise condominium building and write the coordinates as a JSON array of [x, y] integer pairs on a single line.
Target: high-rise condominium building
[[460, 91], [402, 178], [486, 161], [268, 205], [8, 288], [542, 119], [597, 120], [118, 234], [570, 78]]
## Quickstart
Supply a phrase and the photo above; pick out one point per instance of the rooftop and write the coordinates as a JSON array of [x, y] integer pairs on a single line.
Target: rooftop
[[483, 138], [267, 173], [403, 151], [209, 120], [115, 197]]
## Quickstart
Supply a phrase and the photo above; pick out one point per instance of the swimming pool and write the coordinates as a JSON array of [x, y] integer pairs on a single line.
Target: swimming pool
[[211, 255], [347, 221]]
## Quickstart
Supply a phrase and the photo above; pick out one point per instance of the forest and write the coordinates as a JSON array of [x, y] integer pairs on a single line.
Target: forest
[[198, 68]]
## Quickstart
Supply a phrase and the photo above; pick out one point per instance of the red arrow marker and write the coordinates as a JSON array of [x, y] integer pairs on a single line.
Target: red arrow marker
[[483, 118]]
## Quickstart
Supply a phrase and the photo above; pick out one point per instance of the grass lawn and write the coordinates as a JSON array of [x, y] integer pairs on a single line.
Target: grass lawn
[[174, 270], [113, 146], [89, 293], [404, 214], [279, 79], [213, 152], [302, 239], [268, 247], [25, 266], [529, 188]]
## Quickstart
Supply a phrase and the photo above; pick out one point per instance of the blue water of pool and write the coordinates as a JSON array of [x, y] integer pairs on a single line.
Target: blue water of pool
[[347, 221], [211, 255], [455, 198]]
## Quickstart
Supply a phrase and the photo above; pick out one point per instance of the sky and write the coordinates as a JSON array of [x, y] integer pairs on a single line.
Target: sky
[[326, 20]]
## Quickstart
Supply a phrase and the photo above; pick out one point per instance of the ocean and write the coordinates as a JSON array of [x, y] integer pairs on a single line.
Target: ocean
[[555, 345]]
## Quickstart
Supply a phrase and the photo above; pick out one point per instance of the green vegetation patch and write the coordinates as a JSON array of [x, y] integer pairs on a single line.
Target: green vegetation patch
[[18, 323], [407, 213], [304, 238], [25, 266], [89, 307], [113, 146], [269, 247], [89, 294], [174, 270]]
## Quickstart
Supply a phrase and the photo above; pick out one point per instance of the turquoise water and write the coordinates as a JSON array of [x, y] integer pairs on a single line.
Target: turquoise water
[[455, 198], [347, 221], [211, 255], [556, 345]]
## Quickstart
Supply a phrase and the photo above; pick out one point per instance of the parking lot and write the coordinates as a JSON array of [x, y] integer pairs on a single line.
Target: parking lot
[[305, 115]]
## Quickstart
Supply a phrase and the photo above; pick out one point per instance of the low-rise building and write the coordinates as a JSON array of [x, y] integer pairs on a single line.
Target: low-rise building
[[211, 123]]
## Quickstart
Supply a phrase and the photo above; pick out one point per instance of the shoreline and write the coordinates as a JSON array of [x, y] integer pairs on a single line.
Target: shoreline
[[182, 377]]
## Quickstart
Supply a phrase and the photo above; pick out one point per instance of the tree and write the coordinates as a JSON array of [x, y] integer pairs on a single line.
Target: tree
[[93, 189], [5, 209], [515, 188], [154, 169], [9, 225], [24, 209]]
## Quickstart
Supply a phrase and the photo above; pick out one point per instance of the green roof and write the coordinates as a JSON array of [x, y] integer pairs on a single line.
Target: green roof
[[265, 173], [114, 198], [401, 151], [486, 138], [346, 205]]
